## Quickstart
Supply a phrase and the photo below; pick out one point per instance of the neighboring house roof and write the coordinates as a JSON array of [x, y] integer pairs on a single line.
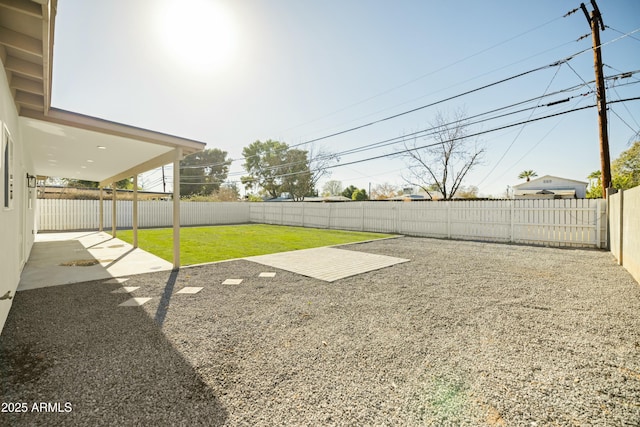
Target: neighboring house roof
[[63, 143], [407, 198], [328, 199], [534, 192], [539, 182], [278, 199]]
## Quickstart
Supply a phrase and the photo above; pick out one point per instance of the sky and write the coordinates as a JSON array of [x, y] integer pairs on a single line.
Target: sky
[[230, 72]]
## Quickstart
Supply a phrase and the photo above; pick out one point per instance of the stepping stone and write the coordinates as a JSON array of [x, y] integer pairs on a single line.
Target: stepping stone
[[125, 289], [134, 302], [267, 274], [232, 282], [189, 290], [117, 280]]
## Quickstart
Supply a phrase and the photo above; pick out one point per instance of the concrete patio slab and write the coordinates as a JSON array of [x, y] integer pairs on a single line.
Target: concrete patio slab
[[190, 290], [134, 302], [328, 264], [267, 274], [116, 281], [96, 254]]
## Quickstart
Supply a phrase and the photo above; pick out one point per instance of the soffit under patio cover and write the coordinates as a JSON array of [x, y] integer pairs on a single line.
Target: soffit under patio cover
[[69, 145], [62, 142]]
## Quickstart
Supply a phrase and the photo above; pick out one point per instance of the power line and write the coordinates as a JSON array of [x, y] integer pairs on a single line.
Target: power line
[[394, 116], [468, 136], [521, 129], [432, 130], [620, 32], [422, 107], [427, 74], [557, 63]]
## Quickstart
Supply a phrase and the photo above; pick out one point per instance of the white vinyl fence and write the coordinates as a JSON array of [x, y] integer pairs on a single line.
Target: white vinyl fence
[[565, 223], [58, 214]]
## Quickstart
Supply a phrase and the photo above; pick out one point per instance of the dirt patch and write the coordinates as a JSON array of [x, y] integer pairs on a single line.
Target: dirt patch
[[80, 263]]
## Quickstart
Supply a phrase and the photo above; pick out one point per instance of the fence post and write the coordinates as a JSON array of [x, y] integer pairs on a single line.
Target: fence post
[[303, 204], [513, 212], [329, 218], [598, 224], [448, 219], [620, 231], [361, 216]]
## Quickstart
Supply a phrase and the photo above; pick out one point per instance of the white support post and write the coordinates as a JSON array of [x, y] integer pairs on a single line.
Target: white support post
[[113, 209], [176, 208], [135, 211], [101, 207]]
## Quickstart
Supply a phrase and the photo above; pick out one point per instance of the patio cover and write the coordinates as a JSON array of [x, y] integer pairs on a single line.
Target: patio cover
[[71, 145]]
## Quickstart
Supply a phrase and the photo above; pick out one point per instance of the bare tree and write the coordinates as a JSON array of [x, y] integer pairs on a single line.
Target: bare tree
[[384, 191], [442, 165], [319, 162], [332, 188]]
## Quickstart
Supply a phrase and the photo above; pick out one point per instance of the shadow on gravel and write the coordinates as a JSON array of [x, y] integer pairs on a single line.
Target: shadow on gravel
[[70, 356], [161, 312]]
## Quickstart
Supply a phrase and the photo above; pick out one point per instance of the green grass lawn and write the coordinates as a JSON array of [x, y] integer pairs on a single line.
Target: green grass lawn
[[217, 243]]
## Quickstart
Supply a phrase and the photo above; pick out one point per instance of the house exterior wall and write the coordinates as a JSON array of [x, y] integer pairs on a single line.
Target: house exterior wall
[[554, 183], [17, 221]]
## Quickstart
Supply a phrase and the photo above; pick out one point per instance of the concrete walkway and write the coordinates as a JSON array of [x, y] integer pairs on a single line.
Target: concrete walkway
[[64, 258], [328, 264]]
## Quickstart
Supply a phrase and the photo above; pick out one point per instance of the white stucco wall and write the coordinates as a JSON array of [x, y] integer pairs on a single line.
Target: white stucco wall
[[16, 223]]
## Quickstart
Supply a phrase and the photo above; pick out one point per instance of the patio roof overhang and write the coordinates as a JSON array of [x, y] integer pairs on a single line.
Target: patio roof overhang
[[71, 145]]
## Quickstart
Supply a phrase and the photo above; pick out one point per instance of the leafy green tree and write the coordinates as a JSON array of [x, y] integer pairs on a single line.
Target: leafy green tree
[[527, 174], [625, 173], [296, 176], [348, 192], [123, 184], [276, 168], [625, 170], [203, 172], [359, 195], [595, 185], [263, 162]]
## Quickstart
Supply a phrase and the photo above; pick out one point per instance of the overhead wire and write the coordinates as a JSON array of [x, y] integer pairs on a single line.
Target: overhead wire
[[428, 74], [391, 117], [521, 129], [394, 116], [468, 121]]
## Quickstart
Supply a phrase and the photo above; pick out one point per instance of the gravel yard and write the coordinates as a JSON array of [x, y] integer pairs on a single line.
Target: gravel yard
[[466, 333]]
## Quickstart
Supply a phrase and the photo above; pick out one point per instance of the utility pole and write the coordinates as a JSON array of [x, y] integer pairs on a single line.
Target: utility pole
[[164, 182], [595, 21]]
